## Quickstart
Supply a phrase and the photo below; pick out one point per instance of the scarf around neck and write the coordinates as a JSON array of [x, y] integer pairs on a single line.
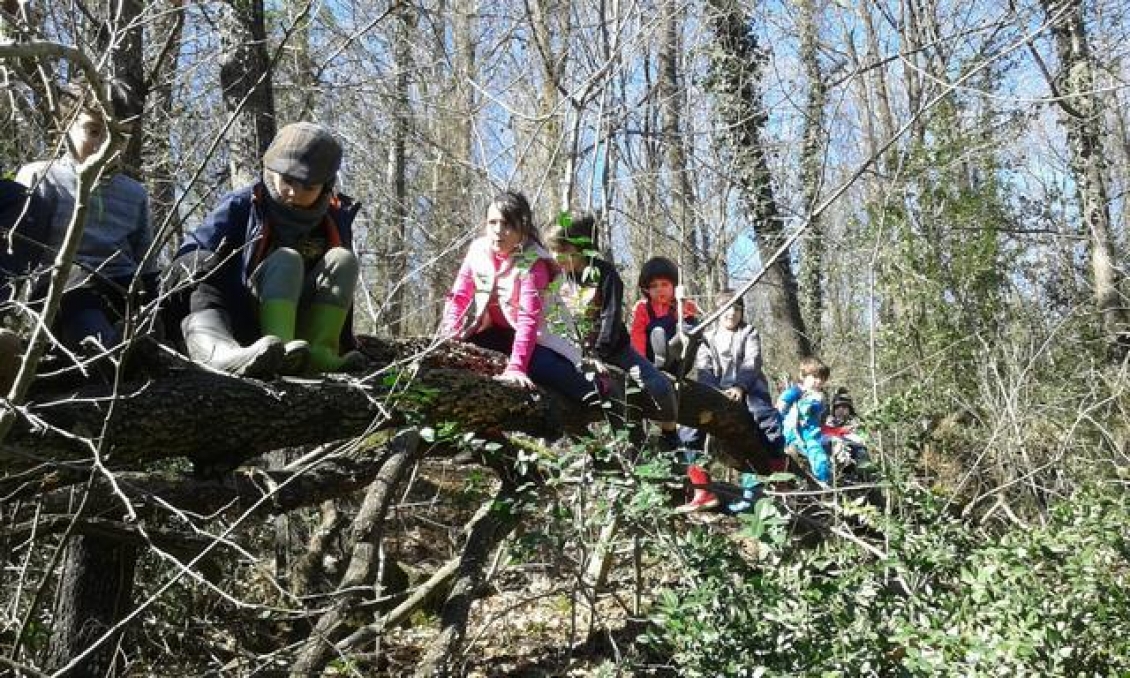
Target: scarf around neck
[[291, 224]]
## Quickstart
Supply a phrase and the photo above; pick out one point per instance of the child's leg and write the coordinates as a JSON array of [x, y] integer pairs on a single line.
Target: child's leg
[[325, 307], [657, 343], [819, 459], [278, 284], [657, 385], [217, 322], [553, 370], [768, 421], [83, 313]]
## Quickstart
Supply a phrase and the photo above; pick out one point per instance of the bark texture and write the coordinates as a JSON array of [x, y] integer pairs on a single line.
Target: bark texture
[[735, 81], [94, 593], [1083, 117]]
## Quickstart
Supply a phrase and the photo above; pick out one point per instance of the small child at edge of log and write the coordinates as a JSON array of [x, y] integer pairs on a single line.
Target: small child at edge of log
[[802, 409]]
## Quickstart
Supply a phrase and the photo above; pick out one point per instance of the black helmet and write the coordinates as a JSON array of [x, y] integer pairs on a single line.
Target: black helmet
[[658, 267], [842, 398]]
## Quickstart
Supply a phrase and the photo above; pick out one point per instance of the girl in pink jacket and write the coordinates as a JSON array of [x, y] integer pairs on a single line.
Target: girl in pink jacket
[[501, 300]]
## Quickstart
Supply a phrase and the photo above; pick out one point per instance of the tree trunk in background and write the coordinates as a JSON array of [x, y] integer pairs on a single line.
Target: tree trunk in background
[[300, 100], [734, 79], [550, 25], [451, 120], [244, 74], [161, 175], [645, 162], [672, 102], [1083, 118], [128, 79], [94, 593], [812, 173], [397, 173]]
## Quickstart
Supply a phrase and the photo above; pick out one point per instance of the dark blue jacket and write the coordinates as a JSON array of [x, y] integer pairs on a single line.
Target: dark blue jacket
[[237, 232], [23, 212]]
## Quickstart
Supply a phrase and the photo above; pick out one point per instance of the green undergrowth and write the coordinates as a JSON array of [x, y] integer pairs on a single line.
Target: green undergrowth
[[931, 596]]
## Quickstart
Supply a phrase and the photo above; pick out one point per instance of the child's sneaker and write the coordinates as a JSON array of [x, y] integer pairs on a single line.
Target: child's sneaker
[[703, 498], [750, 489]]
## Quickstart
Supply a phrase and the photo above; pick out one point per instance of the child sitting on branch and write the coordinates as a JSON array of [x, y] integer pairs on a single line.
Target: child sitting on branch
[[656, 317], [802, 407], [729, 359], [272, 269], [501, 300], [116, 233], [593, 292]]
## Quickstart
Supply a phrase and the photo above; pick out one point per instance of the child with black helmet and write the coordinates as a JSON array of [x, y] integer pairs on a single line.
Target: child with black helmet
[[656, 317], [842, 434]]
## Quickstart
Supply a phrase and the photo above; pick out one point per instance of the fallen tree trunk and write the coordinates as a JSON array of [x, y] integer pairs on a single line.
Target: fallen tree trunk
[[219, 422]]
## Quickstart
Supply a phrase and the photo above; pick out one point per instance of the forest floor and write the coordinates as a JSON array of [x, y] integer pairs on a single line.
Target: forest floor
[[536, 618]]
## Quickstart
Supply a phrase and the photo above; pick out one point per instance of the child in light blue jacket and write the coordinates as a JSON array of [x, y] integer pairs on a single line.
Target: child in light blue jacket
[[802, 408]]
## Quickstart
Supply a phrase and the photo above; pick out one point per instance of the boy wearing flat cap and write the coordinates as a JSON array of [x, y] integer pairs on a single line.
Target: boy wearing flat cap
[[272, 268]]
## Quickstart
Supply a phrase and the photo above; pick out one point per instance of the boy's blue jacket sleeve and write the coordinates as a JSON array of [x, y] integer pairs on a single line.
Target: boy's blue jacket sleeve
[[225, 225], [789, 397]]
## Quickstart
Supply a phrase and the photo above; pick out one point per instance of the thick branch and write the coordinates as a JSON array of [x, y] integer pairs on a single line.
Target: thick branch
[[219, 421]]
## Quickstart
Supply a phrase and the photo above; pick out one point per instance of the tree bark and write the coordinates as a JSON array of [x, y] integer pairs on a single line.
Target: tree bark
[[94, 593], [734, 79], [248, 89], [399, 245], [812, 174], [672, 102], [220, 421], [1083, 118]]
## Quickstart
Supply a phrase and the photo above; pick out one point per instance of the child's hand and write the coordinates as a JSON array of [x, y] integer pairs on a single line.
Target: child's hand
[[597, 365], [517, 379], [735, 393]]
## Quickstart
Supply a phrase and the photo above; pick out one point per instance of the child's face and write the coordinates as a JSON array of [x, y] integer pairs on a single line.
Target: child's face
[[292, 192], [568, 257], [732, 317], [504, 236], [661, 291], [86, 135], [812, 382], [841, 412]]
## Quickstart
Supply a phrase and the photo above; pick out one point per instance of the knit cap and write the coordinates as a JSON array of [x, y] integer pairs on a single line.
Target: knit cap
[[305, 151]]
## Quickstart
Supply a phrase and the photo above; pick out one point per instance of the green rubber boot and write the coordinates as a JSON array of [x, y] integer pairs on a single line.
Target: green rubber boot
[[277, 317], [321, 326]]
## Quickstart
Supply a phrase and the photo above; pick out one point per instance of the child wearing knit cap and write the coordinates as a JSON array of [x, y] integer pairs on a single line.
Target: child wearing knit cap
[[272, 268]]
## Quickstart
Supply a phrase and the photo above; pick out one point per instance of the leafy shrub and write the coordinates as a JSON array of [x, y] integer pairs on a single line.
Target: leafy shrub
[[948, 600]]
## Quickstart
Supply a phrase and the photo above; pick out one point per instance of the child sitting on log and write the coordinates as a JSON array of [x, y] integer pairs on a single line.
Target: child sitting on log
[[116, 232], [272, 268], [656, 318], [802, 409], [729, 359], [593, 292], [501, 300]]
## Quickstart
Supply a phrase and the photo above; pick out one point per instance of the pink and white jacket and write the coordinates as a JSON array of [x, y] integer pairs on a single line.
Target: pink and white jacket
[[510, 291]]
